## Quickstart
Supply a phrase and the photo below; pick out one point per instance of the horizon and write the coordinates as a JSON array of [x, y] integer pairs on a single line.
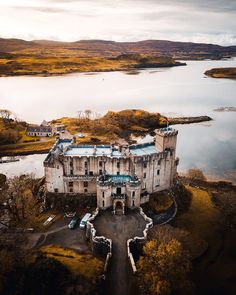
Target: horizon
[[210, 22], [106, 40]]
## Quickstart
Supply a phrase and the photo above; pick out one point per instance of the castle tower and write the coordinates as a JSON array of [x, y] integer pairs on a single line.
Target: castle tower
[[166, 139]]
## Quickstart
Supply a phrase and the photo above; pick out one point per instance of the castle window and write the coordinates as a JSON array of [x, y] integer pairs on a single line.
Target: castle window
[[70, 183], [55, 190], [86, 172], [103, 203], [133, 194], [158, 172], [145, 165], [100, 163], [144, 175], [71, 190], [118, 165], [100, 172], [85, 183], [71, 162], [85, 190], [71, 171], [85, 164], [103, 194], [133, 202]]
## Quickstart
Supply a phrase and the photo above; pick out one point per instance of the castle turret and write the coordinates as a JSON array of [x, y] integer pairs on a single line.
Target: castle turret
[[166, 138]]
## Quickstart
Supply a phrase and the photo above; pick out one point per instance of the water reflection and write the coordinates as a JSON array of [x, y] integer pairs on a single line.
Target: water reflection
[[175, 91]]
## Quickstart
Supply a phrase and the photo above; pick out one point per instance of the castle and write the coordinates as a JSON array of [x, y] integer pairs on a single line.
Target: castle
[[119, 176]]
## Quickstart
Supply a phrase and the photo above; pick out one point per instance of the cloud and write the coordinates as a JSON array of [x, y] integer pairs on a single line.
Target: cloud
[[121, 20]]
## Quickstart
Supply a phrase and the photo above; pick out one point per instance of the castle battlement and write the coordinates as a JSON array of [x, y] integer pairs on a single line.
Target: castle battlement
[[112, 171]]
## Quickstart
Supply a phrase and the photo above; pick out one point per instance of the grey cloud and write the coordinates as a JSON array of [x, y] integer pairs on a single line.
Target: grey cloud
[[41, 9]]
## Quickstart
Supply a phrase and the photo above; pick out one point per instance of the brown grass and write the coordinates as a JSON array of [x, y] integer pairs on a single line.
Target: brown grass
[[85, 265]]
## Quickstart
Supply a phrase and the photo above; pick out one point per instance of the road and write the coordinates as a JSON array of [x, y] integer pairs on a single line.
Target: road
[[119, 229]]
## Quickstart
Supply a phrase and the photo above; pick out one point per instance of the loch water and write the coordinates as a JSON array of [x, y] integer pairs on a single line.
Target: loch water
[[177, 91]]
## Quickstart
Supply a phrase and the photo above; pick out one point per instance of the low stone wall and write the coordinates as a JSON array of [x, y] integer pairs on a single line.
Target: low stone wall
[[138, 241], [100, 244]]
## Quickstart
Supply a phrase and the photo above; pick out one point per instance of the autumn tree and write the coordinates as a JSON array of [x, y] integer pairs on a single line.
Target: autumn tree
[[164, 267], [196, 175], [18, 198]]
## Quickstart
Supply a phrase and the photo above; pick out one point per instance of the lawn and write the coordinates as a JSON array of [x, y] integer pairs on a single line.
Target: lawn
[[85, 265], [203, 220]]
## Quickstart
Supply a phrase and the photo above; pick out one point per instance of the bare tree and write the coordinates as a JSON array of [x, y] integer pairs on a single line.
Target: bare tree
[[5, 114], [88, 114], [196, 174], [79, 114]]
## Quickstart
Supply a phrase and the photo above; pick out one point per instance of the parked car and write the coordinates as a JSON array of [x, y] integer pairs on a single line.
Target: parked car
[[84, 220], [73, 223], [70, 214], [80, 135]]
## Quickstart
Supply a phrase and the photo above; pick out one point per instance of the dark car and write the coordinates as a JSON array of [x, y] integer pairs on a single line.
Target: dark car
[[73, 223]]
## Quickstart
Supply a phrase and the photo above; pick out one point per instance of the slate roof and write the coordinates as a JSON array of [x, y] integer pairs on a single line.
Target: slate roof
[[47, 129]]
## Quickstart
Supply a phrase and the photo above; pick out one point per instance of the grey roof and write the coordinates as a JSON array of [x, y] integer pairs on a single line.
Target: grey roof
[[47, 129]]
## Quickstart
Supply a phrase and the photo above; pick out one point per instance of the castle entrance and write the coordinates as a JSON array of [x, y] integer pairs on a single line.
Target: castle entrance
[[119, 207]]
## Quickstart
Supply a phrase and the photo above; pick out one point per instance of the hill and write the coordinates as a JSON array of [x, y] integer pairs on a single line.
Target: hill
[[177, 50]]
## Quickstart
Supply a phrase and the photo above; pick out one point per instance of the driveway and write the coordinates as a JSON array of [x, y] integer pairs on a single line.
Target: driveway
[[60, 235], [119, 229]]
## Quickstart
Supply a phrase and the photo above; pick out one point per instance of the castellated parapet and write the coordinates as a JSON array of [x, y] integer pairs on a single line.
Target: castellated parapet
[[119, 175]]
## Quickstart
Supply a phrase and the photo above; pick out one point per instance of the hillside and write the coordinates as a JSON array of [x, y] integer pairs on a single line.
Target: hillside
[[178, 50]]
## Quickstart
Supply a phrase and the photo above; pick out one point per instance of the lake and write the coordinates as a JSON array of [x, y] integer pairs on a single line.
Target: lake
[[178, 91]]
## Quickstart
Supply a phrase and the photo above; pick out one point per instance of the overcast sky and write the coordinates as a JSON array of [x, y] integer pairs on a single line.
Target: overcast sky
[[210, 21]]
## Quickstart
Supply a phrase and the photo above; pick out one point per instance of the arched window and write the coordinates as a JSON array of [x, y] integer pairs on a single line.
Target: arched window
[[133, 194], [103, 203], [103, 195]]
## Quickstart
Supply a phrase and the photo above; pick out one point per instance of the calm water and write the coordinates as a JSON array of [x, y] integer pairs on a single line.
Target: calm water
[[175, 91]]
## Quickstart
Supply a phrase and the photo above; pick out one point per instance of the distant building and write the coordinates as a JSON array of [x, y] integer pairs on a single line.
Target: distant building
[[59, 127], [119, 176], [44, 130]]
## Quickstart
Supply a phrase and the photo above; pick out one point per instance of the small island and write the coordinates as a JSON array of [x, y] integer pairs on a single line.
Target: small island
[[229, 73]]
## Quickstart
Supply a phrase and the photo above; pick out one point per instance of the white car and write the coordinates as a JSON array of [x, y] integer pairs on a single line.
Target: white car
[[81, 135]]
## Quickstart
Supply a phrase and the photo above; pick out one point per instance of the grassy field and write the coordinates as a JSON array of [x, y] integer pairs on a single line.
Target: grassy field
[[40, 63], [85, 265], [202, 220], [26, 148]]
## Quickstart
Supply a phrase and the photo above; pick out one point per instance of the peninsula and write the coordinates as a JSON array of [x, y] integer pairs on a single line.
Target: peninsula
[[17, 138], [229, 73]]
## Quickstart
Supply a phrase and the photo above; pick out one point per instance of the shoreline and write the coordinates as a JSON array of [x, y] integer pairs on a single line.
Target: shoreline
[[125, 70], [42, 147]]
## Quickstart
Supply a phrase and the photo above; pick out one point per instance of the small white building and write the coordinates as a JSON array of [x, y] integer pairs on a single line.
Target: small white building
[[118, 175], [43, 130]]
